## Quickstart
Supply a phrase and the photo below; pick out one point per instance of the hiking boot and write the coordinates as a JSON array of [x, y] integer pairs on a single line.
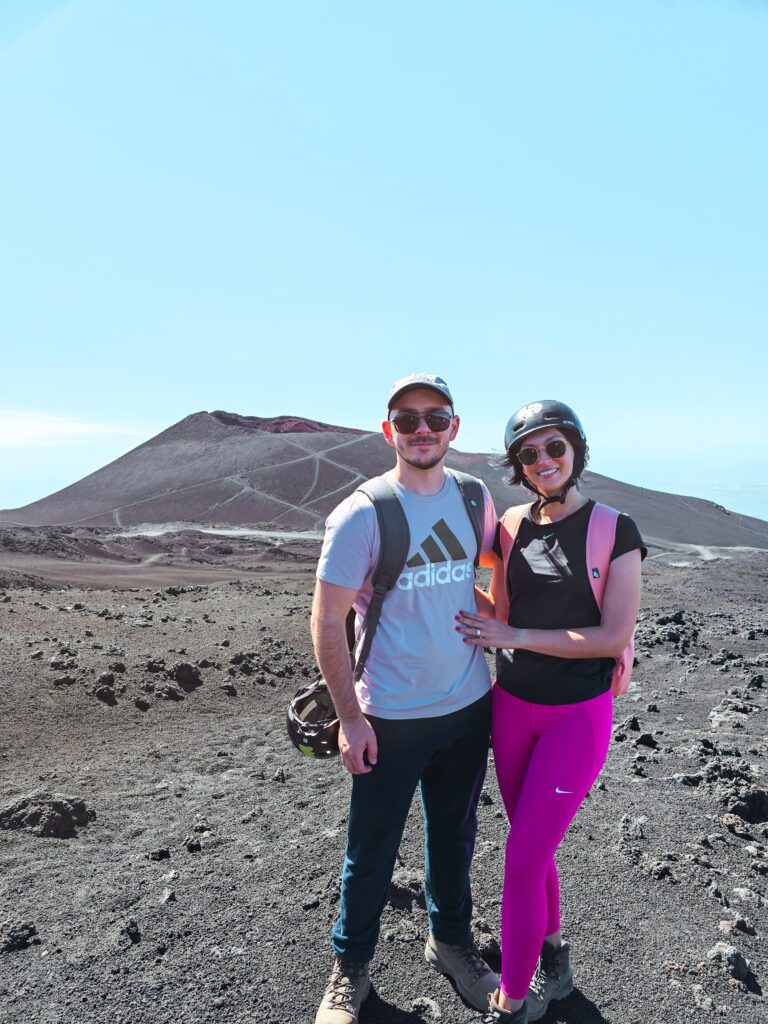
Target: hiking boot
[[495, 1014], [347, 990], [471, 975], [552, 980]]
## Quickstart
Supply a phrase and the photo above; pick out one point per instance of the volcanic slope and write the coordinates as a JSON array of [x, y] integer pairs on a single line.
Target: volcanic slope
[[289, 472]]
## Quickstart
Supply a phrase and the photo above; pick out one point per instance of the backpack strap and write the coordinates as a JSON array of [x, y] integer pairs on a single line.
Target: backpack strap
[[394, 541], [473, 494], [509, 527], [601, 536]]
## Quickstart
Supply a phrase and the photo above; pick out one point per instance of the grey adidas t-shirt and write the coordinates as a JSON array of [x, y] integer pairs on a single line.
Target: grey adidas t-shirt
[[419, 666]]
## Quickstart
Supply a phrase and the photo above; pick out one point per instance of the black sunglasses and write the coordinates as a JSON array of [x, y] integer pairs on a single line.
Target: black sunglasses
[[530, 456], [408, 422]]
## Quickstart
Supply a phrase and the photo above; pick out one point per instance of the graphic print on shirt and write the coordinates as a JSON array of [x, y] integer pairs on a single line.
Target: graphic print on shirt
[[545, 558], [437, 564]]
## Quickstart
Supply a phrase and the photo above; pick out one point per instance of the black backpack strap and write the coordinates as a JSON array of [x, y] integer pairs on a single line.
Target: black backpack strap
[[395, 539], [474, 498]]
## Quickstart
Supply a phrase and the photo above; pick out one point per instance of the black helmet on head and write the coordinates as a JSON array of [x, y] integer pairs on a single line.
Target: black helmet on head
[[312, 722], [536, 416]]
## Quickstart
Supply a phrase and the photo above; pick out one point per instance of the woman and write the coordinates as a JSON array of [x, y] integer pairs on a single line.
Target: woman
[[552, 702]]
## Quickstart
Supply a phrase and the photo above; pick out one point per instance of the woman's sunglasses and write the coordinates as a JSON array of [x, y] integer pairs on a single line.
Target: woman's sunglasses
[[530, 456], [408, 422]]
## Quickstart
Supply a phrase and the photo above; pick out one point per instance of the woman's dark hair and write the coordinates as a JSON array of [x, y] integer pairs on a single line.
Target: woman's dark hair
[[580, 460]]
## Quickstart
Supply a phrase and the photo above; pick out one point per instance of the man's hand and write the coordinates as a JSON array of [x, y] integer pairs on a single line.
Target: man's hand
[[356, 739]]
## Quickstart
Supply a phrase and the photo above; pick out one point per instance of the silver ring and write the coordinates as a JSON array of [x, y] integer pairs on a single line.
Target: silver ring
[[477, 631]]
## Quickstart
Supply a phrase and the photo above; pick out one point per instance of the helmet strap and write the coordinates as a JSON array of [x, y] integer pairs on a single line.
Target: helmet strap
[[560, 498]]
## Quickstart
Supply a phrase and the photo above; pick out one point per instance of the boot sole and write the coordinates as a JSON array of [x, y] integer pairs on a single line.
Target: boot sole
[[431, 957], [537, 1012]]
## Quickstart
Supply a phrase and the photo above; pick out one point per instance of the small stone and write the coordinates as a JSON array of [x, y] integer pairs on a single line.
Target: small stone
[[701, 999], [735, 825], [731, 958], [744, 897], [106, 695], [279, 776], [186, 675], [106, 679], [192, 844], [645, 739], [427, 1009], [131, 930], [169, 693], [311, 904], [163, 853], [168, 896]]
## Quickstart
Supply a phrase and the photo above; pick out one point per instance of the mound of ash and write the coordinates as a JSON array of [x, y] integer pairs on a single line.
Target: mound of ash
[[282, 424], [57, 541], [46, 814]]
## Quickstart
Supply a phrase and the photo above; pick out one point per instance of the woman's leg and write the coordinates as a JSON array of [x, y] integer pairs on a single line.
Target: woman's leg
[[568, 752]]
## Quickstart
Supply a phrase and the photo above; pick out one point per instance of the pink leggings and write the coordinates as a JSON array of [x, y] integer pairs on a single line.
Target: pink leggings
[[547, 757]]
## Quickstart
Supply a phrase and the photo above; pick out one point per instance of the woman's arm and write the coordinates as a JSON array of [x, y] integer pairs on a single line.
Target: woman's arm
[[494, 599], [621, 603]]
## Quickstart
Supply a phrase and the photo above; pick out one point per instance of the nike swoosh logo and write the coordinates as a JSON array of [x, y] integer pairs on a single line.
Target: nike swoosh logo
[[568, 791]]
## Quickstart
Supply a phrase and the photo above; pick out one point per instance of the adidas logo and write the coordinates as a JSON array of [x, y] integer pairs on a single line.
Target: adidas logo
[[433, 564]]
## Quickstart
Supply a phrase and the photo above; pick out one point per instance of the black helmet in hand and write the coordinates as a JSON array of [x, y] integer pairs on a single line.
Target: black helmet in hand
[[312, 722]]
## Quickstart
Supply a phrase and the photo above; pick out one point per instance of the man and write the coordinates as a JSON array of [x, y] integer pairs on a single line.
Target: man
[[420, 714]]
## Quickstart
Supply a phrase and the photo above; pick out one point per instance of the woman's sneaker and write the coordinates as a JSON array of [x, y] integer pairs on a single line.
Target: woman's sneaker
[[471, 975], [495, 1014], [348, 988], [553, 980]]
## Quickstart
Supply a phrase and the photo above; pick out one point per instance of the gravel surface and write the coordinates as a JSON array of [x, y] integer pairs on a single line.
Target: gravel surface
[[165, 854]]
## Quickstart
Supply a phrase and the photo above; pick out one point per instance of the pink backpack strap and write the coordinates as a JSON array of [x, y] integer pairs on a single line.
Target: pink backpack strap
[[601, 536], [509, 529]]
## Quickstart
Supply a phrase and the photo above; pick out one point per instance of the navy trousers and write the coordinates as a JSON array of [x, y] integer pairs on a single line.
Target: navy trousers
[[446, 758]]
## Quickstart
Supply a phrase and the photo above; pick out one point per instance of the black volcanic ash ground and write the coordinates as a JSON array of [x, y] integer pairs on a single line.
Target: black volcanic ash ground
[[167, 856]]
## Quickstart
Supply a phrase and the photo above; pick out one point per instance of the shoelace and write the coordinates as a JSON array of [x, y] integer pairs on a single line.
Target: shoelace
[[342, 986], [476, 966], [541, 976]]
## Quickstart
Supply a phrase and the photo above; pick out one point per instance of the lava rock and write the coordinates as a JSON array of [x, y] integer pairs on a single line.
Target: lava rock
[[730, 958], [106, 695], [186, 675], [169, 693], [46, 814]]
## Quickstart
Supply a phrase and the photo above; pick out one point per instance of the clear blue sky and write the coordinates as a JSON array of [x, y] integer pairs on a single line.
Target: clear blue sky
[[278, 208]]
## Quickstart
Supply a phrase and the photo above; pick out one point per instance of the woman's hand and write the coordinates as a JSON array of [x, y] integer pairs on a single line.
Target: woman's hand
[[482, 632]]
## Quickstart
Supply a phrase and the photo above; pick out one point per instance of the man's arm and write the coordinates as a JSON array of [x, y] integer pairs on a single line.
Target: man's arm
[[357, 739]]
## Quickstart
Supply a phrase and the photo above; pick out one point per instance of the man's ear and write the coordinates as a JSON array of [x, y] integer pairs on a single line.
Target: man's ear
[[455, 427], [386, 427]]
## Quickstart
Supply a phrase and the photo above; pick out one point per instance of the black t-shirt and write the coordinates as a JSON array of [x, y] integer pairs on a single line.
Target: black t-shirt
[[549, 589]]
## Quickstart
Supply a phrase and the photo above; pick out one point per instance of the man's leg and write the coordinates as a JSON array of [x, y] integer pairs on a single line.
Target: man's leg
[[378, 810], [450, 790]]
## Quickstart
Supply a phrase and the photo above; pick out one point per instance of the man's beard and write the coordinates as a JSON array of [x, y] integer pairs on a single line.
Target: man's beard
[[430, 464]]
